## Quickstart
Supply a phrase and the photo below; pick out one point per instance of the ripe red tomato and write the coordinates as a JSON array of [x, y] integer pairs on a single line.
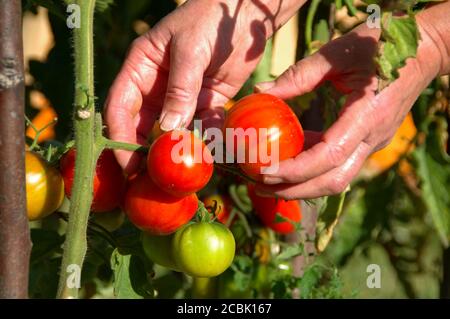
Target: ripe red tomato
[[267, 208], [263, 111], [109, 180], [179, 163], [224, 206], [155, 211]]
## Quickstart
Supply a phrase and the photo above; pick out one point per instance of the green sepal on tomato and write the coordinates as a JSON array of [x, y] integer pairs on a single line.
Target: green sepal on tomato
[[179, 163], [267, 209], [109, 180], [276, 125], [155, 211]]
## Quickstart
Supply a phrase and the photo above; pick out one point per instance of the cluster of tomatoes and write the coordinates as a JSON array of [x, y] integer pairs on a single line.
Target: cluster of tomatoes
[[162, 201]]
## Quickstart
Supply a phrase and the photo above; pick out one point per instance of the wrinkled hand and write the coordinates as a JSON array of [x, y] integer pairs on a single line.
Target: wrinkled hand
[[367, 122], [195, 59]]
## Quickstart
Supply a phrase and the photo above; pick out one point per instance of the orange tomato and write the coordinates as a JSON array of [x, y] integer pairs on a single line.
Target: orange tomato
[[401, 143], [43, 118]]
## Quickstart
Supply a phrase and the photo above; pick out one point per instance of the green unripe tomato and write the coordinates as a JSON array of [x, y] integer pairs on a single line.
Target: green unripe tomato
[[159, 250], [203, 249]]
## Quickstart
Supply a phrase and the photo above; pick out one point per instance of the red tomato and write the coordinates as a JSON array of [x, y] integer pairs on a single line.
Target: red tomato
[[267, 208], [109, 180], [224, 206], [179, 163], [155, 211], [263, 111]]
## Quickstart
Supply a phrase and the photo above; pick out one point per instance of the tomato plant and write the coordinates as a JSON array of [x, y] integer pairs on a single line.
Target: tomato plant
[[44, 187], [154, 248], [179, 163], [154, 210], [275, 125], [203, 249], [109, 181], [268, 208]]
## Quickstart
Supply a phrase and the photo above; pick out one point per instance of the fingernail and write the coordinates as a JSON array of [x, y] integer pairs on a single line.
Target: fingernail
[[272, 180], [263, 86], [271, 170], [170, 121]]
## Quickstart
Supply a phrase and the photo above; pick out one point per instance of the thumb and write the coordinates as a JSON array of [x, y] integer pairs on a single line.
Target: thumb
[[183, 86], [300, 78]]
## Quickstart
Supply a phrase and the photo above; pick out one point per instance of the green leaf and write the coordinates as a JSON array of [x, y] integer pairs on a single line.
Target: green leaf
[[399, 41], [327, 220], [433, 169], [291, 252], [131, 278], [309, 280]]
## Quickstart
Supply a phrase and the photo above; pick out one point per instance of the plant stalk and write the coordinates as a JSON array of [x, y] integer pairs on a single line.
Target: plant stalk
[[87, 153]]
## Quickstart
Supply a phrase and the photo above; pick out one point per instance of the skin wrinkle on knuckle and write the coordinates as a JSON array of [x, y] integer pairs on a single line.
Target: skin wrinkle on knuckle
[[337, 184], [336, 154], [293, 76], [180, 94]]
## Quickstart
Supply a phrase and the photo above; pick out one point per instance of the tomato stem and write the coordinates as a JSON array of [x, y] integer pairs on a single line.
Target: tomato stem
[[233, 170], [244, 221], [110, 144], [232, 190], [88, 150]]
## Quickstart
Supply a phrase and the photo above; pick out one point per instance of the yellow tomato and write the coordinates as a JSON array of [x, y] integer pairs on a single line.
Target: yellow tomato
[[44, 186], [401, 143]]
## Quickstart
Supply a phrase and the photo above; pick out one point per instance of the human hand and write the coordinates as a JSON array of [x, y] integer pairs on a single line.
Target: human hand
[[195, 59], [367, 122]]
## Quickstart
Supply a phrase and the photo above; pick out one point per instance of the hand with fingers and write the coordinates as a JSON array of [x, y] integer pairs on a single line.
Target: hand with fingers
[[368, 120], [192, 62]]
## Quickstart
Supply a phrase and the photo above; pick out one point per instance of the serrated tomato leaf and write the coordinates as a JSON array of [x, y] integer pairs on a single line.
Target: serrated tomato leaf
[[399, 41], [131, 278]]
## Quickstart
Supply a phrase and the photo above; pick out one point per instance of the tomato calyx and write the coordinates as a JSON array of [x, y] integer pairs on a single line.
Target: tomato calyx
[[279, 218], [205, 216]]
